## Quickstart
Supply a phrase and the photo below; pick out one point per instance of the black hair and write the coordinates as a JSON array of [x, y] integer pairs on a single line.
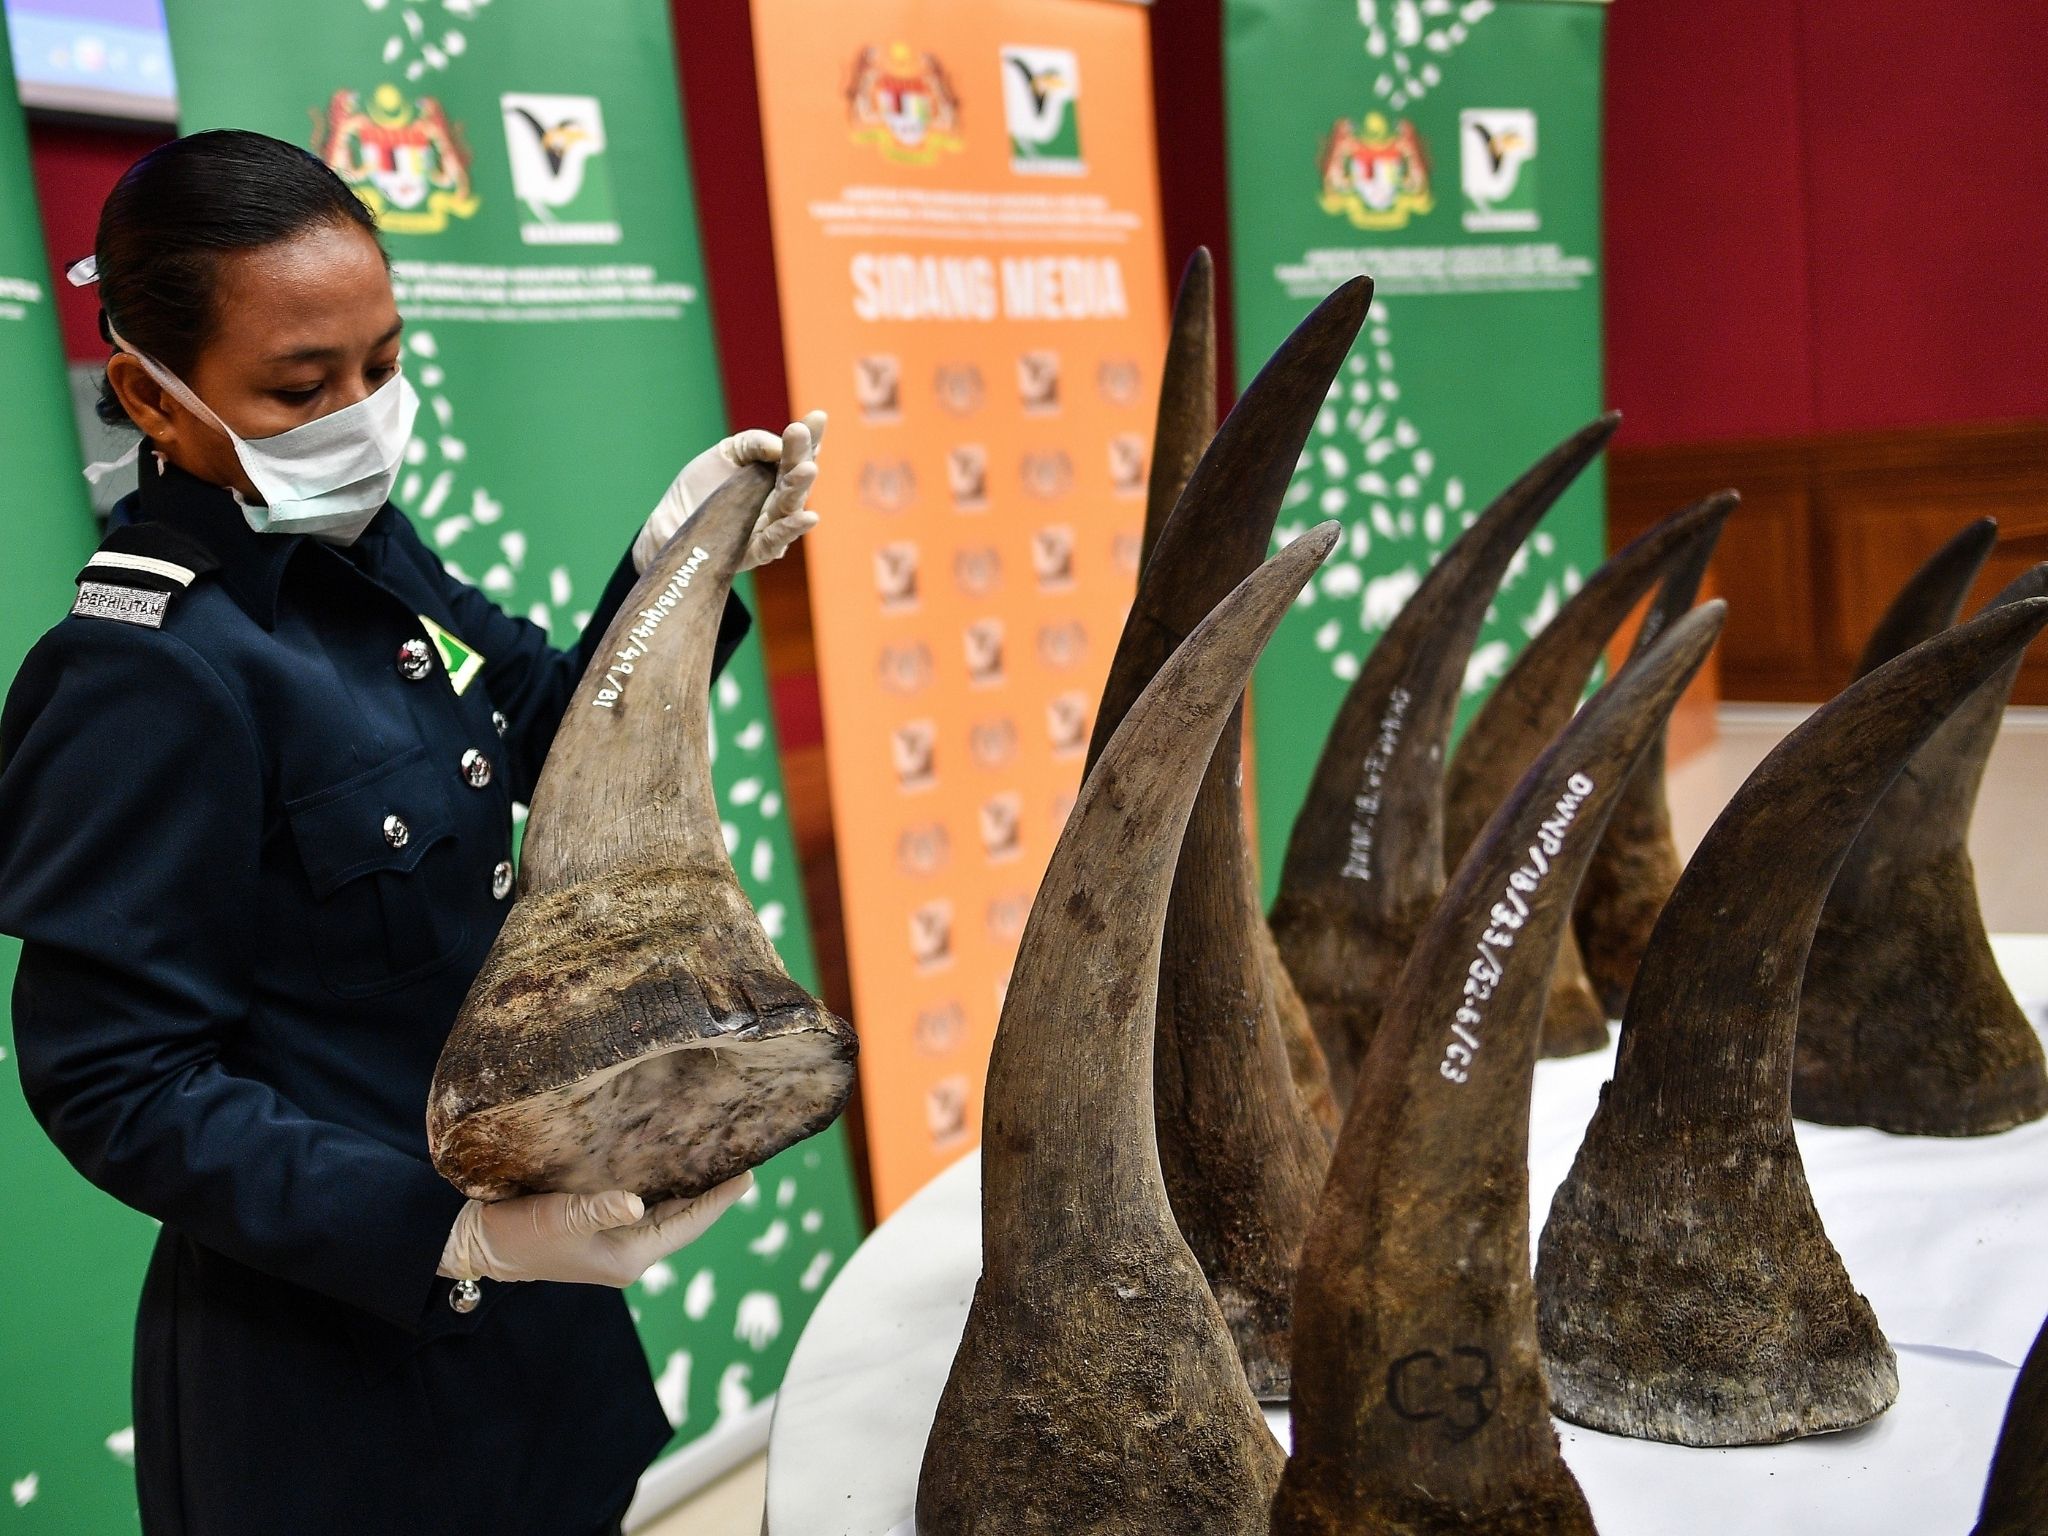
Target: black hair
[[175, 212]]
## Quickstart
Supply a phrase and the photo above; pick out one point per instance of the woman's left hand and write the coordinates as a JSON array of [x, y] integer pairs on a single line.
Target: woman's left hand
[[784, 518]]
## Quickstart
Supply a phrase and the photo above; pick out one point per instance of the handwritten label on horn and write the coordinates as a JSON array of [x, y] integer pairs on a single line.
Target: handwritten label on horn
[[642, 633], [1506, 919]]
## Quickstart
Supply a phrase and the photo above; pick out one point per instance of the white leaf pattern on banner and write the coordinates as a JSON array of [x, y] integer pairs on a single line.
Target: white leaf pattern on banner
[[734, 1396], [699, 1295], [660, 1276], [1407, 38], [759, 1322], [672, 1386], [24, 1489]]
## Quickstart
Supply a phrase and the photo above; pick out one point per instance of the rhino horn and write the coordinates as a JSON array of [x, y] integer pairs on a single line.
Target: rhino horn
[[1240, 1145], [1686, 1290], [632, 1027], [1187, 396], [1419, 1400], [1096, 1387], [1357, 884], [2016, 1496], [1531, 705], [1905, 1021], [1221, 527], [1932, 598]]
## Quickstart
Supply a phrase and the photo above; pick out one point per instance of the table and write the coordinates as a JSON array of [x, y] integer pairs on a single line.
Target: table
[[1948, 1239]]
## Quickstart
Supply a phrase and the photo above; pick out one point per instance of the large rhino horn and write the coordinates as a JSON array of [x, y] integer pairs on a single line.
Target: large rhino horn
[[1221, 529], [1419, 1400], [1096, 1388], [1187, 396], [2016, 1496], [1905, 1021], [1932, 597], [1531, 705], [632, 1027], [1365, 858], [1686, 1288], [1241, 1148]]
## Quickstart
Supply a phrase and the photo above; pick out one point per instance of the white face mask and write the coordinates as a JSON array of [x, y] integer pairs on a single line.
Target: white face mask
[[327, 477]]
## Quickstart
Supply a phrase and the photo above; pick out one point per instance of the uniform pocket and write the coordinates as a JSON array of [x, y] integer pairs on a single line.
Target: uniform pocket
[[377, 848]]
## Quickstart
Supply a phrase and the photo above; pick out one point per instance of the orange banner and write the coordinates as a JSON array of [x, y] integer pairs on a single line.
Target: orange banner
[[965, 205]]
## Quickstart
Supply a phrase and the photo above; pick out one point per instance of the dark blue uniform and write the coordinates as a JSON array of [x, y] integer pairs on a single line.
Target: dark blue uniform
[[255, 814]]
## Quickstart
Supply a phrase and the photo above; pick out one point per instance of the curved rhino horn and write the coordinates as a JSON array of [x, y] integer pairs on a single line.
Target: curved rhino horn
[[2016, 1496], [1220, 529], [1419, 1400], [632, 1027], [1905, 1021], [1531, 705], [1091, 1313], [1187, 396], [1932, 597], [1686, 1289], [1239, 1078], [1637, 862], [1365, 858]]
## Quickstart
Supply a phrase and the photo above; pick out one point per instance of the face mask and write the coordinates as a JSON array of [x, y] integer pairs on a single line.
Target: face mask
[[328, 477]]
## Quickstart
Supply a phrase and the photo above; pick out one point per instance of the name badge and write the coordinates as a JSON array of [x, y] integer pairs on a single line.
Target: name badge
[[125, 605]]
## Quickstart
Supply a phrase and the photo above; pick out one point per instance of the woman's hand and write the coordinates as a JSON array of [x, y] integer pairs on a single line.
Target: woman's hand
[[783, 518], [607, 1239]]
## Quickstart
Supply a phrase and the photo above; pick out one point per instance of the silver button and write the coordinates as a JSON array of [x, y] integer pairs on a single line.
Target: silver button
[[396, 832], [463, 1295], [501, 879], [476, 768], [498, 720], [415, 661]]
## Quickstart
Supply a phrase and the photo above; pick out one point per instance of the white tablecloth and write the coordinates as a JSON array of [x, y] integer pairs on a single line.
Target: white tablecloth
[[1948, 1239]]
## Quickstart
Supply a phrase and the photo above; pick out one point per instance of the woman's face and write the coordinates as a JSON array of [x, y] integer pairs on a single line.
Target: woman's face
[[302, 328]]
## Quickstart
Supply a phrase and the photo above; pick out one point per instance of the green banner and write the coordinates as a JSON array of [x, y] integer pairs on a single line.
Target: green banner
[[527, 163], [1449, 149], [72, 1264]]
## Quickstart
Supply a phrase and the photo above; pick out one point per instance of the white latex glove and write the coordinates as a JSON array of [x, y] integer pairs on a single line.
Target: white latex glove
[[607, 1239], [783, 518]]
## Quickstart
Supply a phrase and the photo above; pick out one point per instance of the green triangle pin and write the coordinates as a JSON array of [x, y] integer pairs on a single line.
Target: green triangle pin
[[462, 660]]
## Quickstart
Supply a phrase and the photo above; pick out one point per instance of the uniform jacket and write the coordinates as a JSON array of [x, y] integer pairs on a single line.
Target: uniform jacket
[[255, 856]]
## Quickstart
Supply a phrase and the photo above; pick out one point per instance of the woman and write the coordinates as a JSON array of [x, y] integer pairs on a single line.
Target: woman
[[255, 836]]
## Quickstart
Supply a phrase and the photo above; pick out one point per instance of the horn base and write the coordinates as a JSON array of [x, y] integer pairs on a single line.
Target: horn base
[[1557, 1510], [1631, 877], [632, 1032], [1686, 1292], [1104, 1399], [1574, 1023], [1905, 1022]]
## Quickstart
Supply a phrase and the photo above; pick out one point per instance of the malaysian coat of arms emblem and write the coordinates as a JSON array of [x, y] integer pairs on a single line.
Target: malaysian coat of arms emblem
[[1374, 173], [901, 100], [406, 160]]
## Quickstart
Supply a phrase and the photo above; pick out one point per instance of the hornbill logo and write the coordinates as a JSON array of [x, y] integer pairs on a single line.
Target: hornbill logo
[[555, 142], [1499, 145], [1041, 83]]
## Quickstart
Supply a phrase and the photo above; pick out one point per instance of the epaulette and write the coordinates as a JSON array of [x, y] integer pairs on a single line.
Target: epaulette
[[137, 570]]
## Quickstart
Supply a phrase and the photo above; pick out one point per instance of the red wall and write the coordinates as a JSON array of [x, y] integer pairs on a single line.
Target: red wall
[[1822, 215]]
